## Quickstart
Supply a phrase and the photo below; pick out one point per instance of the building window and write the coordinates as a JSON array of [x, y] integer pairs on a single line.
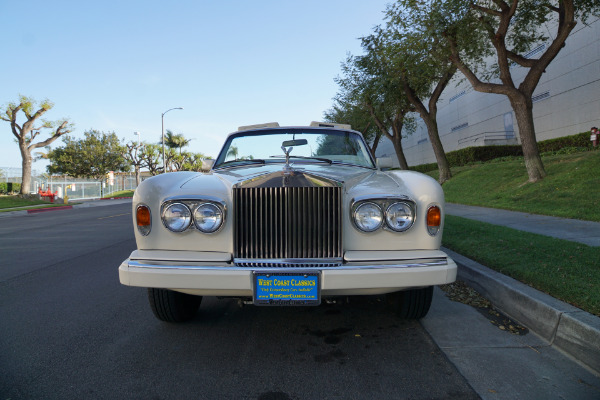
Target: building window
[[459, 127], [457, 96], [535, 51], [540, 97]]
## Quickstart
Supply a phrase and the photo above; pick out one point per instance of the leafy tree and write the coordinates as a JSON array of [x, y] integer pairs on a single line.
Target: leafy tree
[[365, 90], [27, 131], [419, 65], [391, 113], [133, 154], [489, 41], [93, 157], [336, 144], [344, 112], [150, 156], [187, 161]]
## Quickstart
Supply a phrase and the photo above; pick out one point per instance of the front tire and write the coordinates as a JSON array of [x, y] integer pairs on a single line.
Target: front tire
[[170, 306], [411, 304]]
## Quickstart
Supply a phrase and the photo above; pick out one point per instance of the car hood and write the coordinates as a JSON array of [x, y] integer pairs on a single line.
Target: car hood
[[351, 178]]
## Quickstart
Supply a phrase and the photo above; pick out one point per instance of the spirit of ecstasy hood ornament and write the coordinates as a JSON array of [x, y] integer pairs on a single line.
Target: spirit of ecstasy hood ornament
[[287, 156]]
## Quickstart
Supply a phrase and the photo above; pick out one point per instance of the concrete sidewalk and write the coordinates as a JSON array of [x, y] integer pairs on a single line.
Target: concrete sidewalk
[[585, 232]]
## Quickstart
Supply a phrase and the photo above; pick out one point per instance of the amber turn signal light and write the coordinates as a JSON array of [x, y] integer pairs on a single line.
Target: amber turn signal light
[[434, 220], [143, 219]]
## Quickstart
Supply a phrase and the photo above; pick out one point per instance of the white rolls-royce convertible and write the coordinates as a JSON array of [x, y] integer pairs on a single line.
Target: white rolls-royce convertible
[[288, 216]]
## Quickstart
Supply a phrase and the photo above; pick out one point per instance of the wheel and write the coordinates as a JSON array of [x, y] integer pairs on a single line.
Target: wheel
[[413, 303], [170, 306]]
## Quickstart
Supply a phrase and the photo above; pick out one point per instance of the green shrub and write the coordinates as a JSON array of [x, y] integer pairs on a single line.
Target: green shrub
[[481, 154], [580, 140], [424, 167], [563, 145], [9, 187]]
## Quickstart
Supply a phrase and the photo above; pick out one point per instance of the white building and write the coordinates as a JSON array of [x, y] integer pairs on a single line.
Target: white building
[[566, 102]]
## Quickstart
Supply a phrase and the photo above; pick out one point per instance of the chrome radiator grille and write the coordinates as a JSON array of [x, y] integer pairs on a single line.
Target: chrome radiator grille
[[287, 222]]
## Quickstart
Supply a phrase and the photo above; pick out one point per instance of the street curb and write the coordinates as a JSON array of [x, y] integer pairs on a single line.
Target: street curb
[[565, 327], [39, 210]]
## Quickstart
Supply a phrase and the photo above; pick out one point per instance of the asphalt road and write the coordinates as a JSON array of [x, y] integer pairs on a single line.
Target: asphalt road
[[70, 330]]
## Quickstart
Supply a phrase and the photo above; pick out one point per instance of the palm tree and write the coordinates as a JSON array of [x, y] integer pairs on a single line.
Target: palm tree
[[233, 152], [176, 141]]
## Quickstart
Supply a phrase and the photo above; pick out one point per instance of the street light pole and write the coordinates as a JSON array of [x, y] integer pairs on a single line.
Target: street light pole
[[163, 135], [139, 135]]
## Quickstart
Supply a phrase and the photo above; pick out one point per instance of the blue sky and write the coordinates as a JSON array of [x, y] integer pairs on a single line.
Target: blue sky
[[118, 65]]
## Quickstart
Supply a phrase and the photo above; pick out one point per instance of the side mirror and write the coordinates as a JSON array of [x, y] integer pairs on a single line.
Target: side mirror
[[207, 164], [385, 162]]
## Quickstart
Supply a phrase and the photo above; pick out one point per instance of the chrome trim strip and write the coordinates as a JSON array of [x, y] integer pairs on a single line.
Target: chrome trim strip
[[349, 266], [195, 198], [287, 260], [394, 197]]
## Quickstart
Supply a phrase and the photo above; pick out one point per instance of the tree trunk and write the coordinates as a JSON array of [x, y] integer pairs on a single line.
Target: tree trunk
[[397, 140], [430, 118], [438, 149], [375, 144], [26, 169], [137, 175], [523, 109]]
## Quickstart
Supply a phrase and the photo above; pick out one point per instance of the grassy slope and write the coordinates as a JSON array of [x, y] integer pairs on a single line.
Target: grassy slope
[[571, 189], [566, 270]]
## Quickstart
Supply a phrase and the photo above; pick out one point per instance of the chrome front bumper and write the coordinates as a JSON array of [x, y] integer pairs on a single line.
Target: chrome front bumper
[[358, 275]]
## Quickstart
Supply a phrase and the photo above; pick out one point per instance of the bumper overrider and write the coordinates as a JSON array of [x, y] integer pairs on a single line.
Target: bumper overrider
[[217, 274]]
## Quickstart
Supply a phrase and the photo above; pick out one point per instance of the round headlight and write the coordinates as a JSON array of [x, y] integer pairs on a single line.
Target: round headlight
[[368, 217], [208, 217], [177, 217], [399, 216]]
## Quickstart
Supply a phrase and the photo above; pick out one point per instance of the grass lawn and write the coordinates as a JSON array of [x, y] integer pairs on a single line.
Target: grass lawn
[[14, 203], [571, 189], [566, 270], [122, 193]]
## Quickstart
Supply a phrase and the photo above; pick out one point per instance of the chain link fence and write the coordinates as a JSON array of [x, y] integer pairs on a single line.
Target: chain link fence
[[74, 188]]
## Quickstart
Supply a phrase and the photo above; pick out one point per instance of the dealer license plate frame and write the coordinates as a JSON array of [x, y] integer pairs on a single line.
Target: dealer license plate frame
[[261, 292]]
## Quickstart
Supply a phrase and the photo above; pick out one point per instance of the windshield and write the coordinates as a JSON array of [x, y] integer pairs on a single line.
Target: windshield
[[307, 146]]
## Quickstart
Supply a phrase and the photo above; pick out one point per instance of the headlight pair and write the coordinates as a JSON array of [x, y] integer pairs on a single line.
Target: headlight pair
[[206, 217], [398, 216]]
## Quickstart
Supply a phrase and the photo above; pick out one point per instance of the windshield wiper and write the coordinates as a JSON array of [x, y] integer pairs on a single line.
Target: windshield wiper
[[251, 161], [327, 160]]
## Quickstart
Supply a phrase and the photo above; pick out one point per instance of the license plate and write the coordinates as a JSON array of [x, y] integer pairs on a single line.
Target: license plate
[[287, 289]]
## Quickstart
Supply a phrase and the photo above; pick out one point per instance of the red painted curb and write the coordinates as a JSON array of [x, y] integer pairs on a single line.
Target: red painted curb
[[39, 210]]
